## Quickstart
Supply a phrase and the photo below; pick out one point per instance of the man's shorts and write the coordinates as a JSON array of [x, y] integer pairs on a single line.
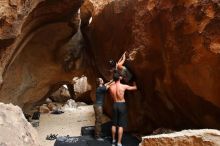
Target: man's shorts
[[120, 114]]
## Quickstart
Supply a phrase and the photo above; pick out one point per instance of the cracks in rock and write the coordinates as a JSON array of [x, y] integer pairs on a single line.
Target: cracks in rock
[[38, 18], [75, 48], [6, 42], [27, 49]]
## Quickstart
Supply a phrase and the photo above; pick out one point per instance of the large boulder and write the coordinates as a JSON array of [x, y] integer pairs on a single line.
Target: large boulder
[[81, 86], [38, 48], [173, 51], [206, 137], [44, 109], [61, 95], [15, 129]]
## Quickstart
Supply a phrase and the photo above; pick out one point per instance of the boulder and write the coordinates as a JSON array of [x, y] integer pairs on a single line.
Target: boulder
[[15, 129], [81, 85], [173, 53], [70, 105], [52, 106], [29, 31], [44, 109], [61, 95], [48, 100], [206, 137]]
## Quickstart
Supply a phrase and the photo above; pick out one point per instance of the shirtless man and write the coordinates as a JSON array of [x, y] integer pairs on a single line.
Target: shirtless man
[[117, 91]]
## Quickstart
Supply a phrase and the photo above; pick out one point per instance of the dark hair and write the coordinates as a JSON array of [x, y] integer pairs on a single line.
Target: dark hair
[[111, 63], [116, 75], [98, 81]]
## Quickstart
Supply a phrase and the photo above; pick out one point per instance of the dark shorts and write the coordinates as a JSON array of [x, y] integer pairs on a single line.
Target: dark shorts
[[120, 114]]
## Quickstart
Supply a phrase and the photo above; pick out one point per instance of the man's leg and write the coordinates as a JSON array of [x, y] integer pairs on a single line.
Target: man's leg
[[122, 121], [96, 125], [113, 133], [120, 133], [115, 122], [98, 120]]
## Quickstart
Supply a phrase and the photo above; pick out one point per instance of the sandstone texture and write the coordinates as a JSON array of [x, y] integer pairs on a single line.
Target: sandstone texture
[[61, 95], [44, 109], [15, 130], [173, 51], [52, 106], [39, 51], [206, 137], [81, 85]]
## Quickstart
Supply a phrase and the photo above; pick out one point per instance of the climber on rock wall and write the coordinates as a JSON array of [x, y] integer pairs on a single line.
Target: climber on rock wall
[[122, 69]]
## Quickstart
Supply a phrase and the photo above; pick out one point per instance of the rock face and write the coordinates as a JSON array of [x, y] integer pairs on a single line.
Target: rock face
[[174, 54], [61, 95], [81, 86], [44, 109], [205, 137], [39, 51], [173, 48], [13, 124]]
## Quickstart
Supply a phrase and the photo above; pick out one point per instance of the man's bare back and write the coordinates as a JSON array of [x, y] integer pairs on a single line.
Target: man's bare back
[[119, 117], [117, 91]]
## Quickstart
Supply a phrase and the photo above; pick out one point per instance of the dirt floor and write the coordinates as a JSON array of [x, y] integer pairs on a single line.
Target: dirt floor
[[68, 123]]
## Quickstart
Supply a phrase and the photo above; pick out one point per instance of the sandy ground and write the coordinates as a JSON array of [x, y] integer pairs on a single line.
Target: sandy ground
[[68, 123]]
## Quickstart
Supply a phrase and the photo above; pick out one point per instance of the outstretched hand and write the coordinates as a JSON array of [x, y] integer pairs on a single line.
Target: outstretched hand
[[125, 53], [121, 60]]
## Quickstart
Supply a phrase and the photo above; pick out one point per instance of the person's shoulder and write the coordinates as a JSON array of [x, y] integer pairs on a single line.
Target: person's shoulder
[[98, 88], [123, 85], [103, 88], [125, 68]]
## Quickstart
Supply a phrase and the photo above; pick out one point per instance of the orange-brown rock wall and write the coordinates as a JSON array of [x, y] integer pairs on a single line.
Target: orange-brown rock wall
[[38, 50], [176, 62], [173, 45]]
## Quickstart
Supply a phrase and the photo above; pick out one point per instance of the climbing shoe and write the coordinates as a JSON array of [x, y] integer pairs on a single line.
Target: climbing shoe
[[51, 137], [113, 142]]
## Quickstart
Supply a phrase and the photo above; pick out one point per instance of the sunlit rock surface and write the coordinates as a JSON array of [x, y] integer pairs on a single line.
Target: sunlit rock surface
[[39, 60], [207, 137], [15, 129]]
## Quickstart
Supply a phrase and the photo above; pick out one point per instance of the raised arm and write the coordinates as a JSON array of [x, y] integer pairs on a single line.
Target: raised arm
[[121, 61], [134, 87], [108, 84]]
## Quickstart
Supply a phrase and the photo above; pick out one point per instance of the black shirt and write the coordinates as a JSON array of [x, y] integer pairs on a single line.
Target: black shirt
[[100, 95]]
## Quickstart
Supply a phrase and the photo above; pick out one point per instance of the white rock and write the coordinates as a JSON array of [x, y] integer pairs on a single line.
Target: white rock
[[70, 105], [15, 130], [81, 85], [202, 137]]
